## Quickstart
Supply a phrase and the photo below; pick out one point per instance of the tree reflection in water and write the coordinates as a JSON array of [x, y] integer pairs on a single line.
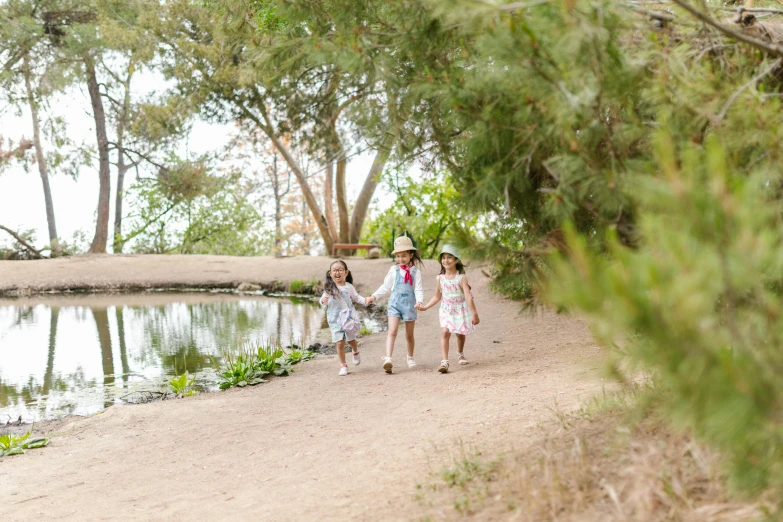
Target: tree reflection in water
[[72, 370]]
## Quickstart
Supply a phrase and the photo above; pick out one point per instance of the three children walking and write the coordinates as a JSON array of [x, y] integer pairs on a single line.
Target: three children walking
[[403, 285]]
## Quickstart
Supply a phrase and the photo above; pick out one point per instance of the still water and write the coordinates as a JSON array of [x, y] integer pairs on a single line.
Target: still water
[[79, 355]]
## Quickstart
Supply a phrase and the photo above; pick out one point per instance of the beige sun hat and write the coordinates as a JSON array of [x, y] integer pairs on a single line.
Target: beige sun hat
[[403, 244]]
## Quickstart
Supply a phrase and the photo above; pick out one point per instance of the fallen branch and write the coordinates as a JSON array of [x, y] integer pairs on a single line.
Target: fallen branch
[[733, 97], [772, 49], [750, 10], [22, 242], [657, 15]]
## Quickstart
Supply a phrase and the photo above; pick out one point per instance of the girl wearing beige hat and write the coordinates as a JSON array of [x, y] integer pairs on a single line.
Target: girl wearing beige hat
[[404, 286]]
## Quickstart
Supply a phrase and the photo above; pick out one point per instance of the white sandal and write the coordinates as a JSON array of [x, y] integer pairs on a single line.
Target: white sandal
[[444, 366], [461, 359]]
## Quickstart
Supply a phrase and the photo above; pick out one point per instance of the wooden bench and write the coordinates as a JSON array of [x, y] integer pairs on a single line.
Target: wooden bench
[[350, 246]]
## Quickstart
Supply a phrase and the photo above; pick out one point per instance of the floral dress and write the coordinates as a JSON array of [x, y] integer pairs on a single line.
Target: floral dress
[[454, 312]]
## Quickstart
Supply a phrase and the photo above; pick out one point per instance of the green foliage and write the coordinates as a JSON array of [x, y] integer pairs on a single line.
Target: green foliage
[[238, 370], [365, 331], [303, 287], [191, 211], [545, 116], [297, 356], [256, 361], [272, 360], [182, 386], [11, 444], [698, 304], [428, 209], [296, 287]]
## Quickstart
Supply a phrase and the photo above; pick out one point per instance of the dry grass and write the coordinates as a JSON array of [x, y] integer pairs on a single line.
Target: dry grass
[[590, 469]]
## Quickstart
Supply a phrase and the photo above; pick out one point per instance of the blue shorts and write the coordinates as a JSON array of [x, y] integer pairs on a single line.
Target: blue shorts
[[402, 310]]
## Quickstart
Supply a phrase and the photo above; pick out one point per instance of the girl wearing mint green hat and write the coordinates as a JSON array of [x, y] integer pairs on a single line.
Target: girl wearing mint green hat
[[458, 313]]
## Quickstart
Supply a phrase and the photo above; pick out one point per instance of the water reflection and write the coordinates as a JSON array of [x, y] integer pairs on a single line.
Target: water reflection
[[79, 355]]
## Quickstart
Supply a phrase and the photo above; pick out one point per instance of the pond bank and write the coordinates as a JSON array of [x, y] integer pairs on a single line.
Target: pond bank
[[312, 445], [128, 273]]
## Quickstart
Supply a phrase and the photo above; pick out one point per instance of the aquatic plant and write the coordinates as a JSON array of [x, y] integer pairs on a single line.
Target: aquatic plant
[[11, 444], [238, 370], [272, 360], [297, 356], [256, 360], [181, 386]]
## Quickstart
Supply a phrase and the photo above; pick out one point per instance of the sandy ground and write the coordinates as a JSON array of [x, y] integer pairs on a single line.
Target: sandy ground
[[312, 446]]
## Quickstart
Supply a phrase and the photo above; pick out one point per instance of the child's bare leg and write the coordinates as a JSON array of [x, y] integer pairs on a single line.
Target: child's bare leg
[[445, 335], [394, 325], [341, 351], [409, 326], [460, 342], [355, 346]]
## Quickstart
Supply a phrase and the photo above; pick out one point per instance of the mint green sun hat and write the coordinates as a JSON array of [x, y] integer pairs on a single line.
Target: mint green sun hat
[[449, 249]]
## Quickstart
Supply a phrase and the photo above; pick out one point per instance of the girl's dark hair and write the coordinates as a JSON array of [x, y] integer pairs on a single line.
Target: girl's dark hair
[[416, 259], [330, 287]]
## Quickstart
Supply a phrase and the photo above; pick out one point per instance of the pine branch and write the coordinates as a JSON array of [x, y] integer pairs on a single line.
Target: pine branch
[[733, 97]]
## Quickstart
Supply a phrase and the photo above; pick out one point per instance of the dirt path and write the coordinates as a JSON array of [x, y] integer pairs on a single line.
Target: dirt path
[[312, 446]]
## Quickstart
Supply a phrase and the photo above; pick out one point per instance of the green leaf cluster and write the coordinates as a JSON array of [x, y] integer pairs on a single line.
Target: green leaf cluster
[[11, 444], [254, 362]]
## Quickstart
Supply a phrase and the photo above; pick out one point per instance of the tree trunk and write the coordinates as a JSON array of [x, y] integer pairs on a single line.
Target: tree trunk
[[43, 169], [278, 248], [312, 202], [98, 245], [122, 169], [365, 196], [329, 198], [320, 219], [342, 196]]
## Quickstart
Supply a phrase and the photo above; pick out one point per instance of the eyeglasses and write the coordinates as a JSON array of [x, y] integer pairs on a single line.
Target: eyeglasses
[[338, 271]]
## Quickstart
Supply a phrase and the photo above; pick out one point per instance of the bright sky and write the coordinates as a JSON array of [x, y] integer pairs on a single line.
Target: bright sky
[[21, 194]]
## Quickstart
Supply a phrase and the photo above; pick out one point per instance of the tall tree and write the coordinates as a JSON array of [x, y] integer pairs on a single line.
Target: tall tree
[[30, 61], [40, 157], [99, 241], [212, 54], [125, 27]]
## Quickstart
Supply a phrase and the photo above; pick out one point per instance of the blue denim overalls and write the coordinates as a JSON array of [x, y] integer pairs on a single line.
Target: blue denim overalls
[[402, 299]]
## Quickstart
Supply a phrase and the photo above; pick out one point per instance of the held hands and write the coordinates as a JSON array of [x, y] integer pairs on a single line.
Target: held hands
[[369, 300], [420, 307]]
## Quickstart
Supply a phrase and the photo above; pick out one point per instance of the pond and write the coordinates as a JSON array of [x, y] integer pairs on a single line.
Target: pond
[[78, 355]]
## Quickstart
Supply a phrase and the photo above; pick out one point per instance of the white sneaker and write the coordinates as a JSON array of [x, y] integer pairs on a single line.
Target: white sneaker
[[357, 358], [387, 364], [343, 371], [411, 362]]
